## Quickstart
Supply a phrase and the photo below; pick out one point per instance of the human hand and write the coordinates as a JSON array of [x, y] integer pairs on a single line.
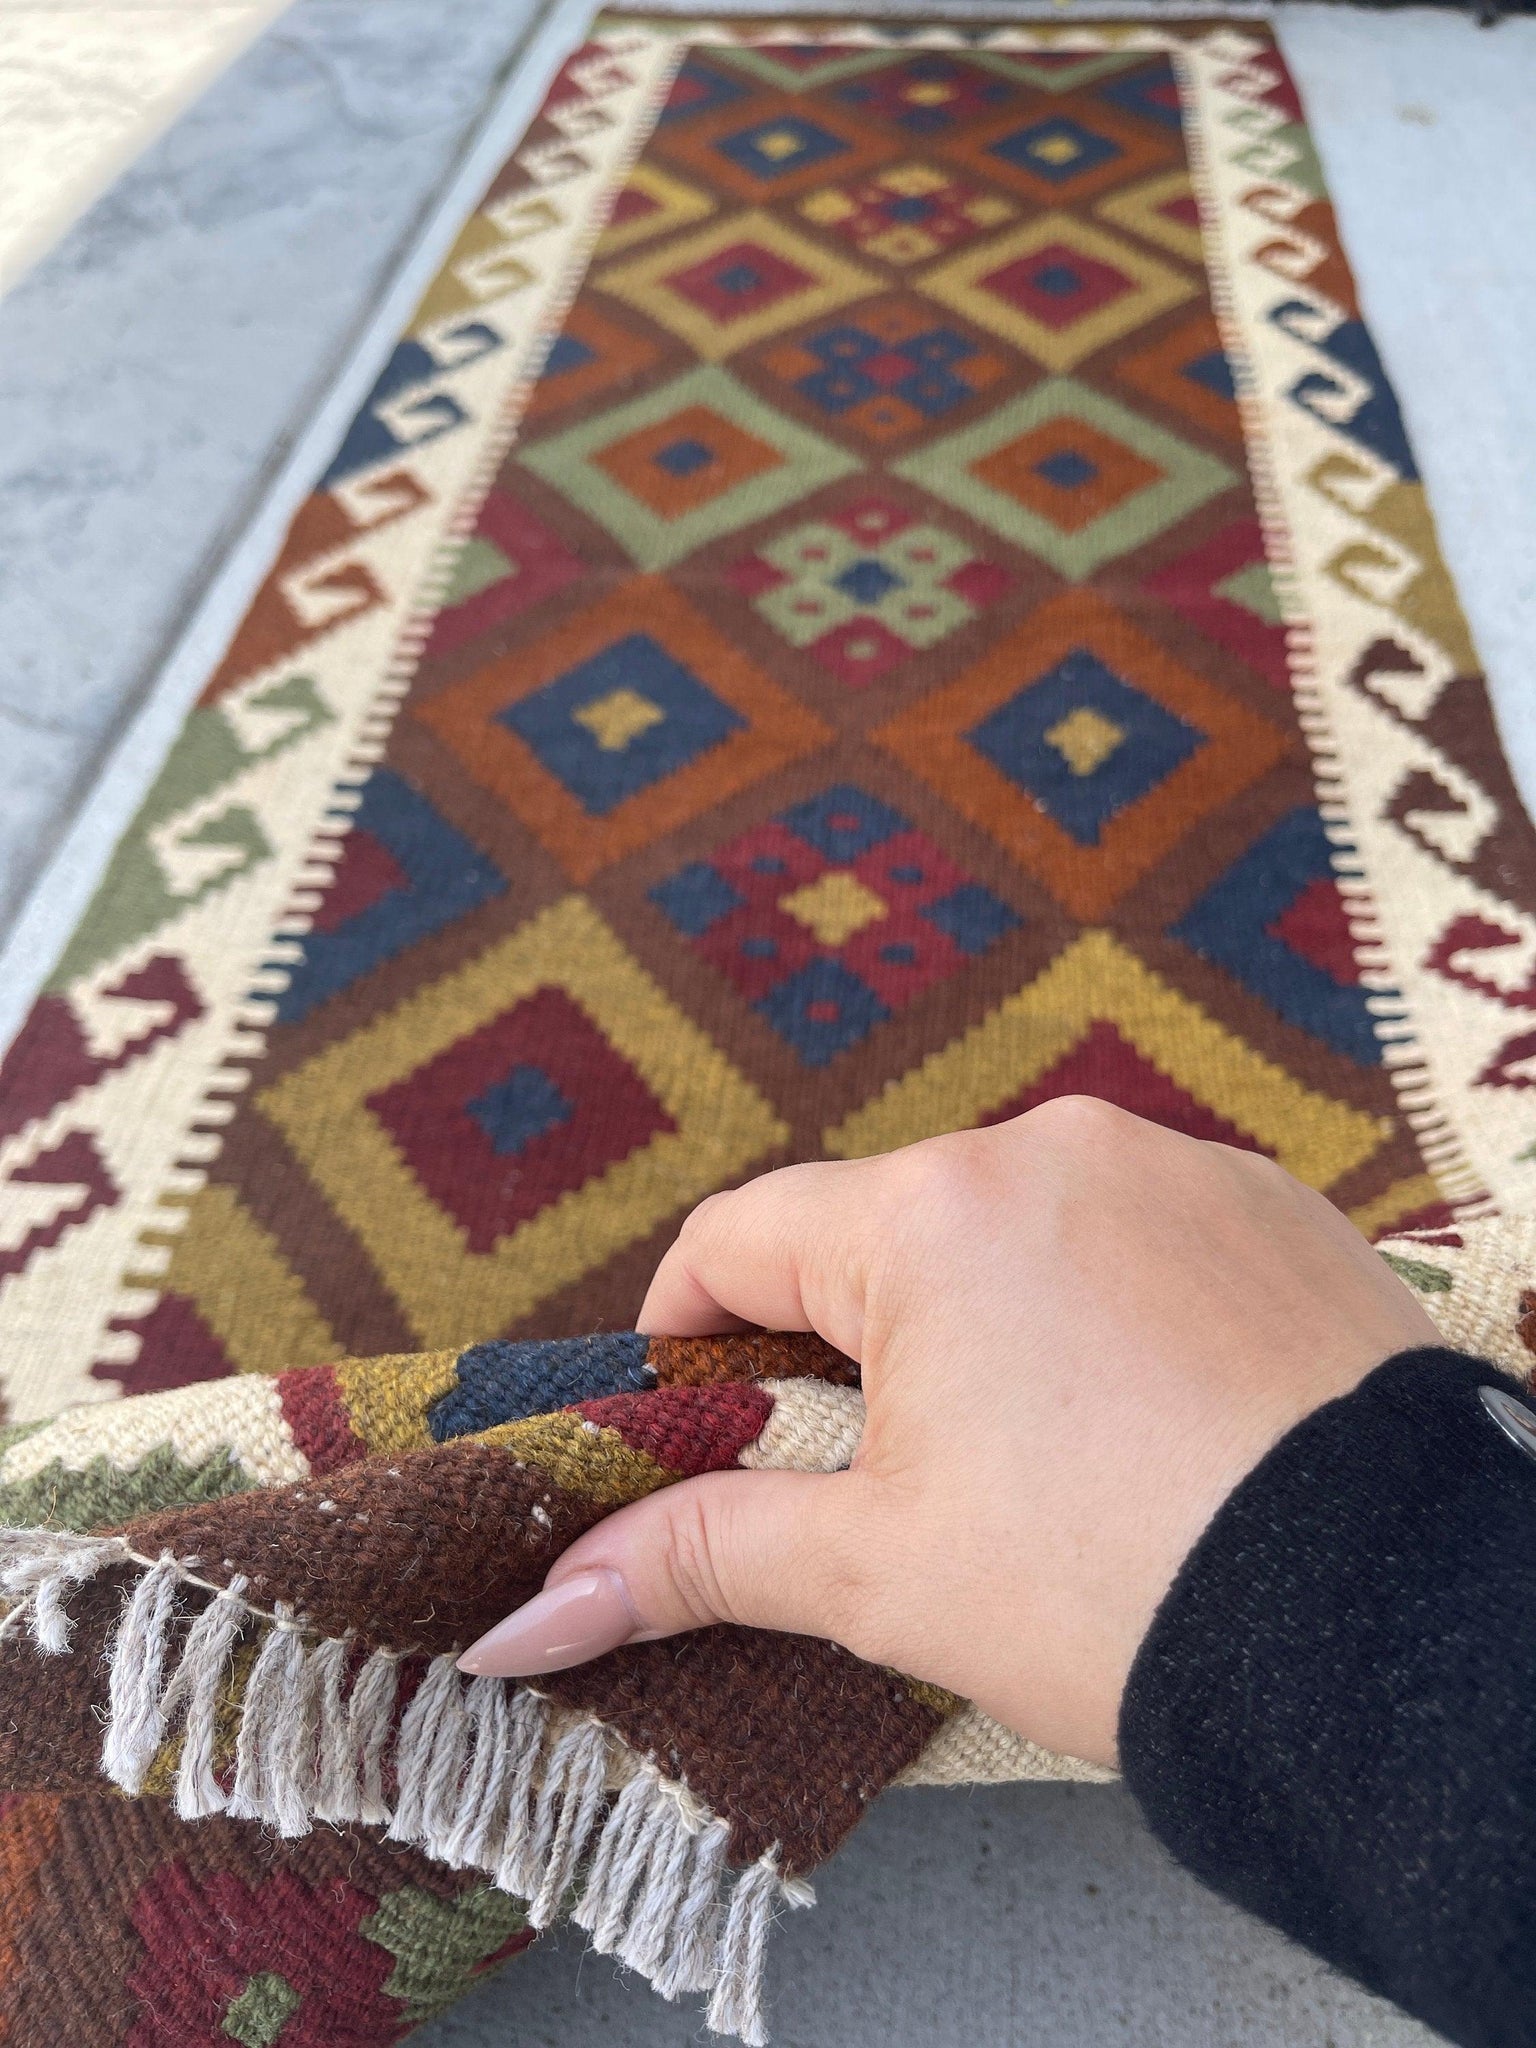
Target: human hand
[[1078, 1332]]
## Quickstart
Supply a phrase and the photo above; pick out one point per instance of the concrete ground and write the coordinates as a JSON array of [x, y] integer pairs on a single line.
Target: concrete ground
[[154, 367]]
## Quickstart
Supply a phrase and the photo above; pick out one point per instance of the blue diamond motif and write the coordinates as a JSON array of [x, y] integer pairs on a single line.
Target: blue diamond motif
[[771, 149], [682, 458], [1038, 148], [972, 916], [1013, 739], [1067, 470], [524, 1105], [928, 386], [843, 822], [739, 279], [822, 1010], [1058, 280], [600, 778], [696, 897], [867, 581]]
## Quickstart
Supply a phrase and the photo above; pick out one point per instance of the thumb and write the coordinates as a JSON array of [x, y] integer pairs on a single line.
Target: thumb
[[780, 1550]]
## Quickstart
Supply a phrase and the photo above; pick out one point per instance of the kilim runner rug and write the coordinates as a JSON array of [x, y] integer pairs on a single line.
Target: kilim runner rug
[[884, 583]]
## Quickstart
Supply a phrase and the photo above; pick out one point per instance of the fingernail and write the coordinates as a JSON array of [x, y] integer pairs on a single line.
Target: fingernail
[[584, 1616]]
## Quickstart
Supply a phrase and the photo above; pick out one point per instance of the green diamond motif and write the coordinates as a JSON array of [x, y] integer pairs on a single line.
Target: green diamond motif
[[830, 576], [1254, 589], [764, 461], [257, 2017], [1184, 477], [478, 564]]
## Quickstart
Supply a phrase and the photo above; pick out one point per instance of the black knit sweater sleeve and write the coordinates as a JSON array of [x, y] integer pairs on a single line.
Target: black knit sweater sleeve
[[1332, 1719]]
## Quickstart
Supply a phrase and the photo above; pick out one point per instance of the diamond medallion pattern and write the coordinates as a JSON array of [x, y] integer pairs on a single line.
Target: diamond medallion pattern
[[735, 283], [1084, 749], [530, 1113], [766, 156], [1071, 475], [864, 590], [885, 370], [697, 458], [907, 213], [1052, 157], [618, 724], [831, 917], [1056, 288]]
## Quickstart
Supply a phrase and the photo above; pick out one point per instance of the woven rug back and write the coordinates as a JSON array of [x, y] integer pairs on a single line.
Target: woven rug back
[[884, 583]]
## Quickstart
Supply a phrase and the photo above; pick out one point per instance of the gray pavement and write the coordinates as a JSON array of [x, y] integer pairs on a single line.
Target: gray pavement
[[154, 368]]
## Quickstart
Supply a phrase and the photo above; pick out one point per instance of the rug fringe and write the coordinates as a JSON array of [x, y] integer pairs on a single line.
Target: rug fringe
[[487, 1775]]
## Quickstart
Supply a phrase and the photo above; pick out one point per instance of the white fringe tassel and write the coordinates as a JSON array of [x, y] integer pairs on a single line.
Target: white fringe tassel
[[487, 1776]]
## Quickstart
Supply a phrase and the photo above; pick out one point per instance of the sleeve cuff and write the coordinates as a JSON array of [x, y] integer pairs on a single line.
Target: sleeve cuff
[[1332, 1719]]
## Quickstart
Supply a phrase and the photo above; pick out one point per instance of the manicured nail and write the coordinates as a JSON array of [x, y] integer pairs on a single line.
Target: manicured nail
[[584, 1616]]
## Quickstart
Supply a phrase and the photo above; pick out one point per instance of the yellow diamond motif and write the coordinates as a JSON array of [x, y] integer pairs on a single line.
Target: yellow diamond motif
[[827, 208], [914, 181], [1056, 149], [985, 212], [1085, 739], [778, 143], [619, 717], [834, 907]]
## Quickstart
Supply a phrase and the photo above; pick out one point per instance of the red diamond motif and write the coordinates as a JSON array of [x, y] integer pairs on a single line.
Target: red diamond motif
[[739, 281], [1057, 285], [609, 1114]]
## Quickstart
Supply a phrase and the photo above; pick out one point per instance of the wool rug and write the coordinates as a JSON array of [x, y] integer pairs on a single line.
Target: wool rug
[[885, 582]]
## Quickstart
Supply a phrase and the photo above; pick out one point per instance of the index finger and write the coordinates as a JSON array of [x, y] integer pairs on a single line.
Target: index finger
[[786, 1252]]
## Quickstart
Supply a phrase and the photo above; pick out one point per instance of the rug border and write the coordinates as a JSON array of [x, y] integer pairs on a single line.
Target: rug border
[[106, 806]]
